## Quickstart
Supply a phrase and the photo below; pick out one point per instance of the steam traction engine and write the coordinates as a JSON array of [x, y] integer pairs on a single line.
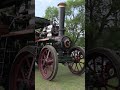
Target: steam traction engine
[[16, 36], [54, 47]]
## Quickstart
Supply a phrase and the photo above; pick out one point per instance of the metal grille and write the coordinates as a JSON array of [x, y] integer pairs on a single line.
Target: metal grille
[[3, 46], [7, 55]]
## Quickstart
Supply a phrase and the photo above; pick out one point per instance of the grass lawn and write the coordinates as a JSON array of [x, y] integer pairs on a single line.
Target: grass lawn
[[64, 80]]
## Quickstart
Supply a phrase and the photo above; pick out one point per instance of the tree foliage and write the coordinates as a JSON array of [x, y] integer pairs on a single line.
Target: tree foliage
[[74, 19], [102, 21], [51, 13]]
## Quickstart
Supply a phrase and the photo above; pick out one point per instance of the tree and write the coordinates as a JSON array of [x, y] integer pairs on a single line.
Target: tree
[[74, 19], [51, 13], [102, 19]]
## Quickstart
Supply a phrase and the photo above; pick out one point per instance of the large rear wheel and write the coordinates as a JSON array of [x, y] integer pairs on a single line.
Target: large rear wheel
[[48, 62], [22, 75]]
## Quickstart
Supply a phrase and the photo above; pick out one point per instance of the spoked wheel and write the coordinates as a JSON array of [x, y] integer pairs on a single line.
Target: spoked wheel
[[78, 57], [22, 76], [102, 70], [48, 62]]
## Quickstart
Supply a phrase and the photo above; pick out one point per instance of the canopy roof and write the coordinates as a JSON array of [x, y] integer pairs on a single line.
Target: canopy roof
[[41, 22]]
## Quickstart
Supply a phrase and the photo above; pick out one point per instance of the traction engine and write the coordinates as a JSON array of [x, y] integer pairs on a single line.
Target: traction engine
[[54, 47]]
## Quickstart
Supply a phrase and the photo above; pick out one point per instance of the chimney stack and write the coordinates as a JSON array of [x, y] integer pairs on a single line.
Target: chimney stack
[[61, 18]]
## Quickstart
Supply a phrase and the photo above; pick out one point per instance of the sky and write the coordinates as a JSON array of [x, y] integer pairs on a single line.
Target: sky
[[41, 6]]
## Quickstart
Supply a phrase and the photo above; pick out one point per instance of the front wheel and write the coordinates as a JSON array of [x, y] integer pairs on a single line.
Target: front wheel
[[48, 62], [77, 66]]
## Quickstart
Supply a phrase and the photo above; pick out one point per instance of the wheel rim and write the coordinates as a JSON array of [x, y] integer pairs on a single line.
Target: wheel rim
[[77, 66], [47, 63], [23, 73], [101, 73]]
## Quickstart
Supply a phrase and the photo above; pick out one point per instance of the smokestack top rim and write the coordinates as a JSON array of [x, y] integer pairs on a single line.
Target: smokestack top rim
[[62, 4]]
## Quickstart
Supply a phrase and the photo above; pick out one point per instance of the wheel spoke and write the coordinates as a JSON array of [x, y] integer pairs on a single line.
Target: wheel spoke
[[80, 66], [82, 62], [49, 62], [73, 65], [102, 65], [90, 68], [45, 70], [31, 68], [78, 56], [77, 67], [22, 73], [48, 53], [72, 54], [28, 63], [94, 65]]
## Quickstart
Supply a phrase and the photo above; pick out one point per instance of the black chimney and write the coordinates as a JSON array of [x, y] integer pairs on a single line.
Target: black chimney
[[61, 18]]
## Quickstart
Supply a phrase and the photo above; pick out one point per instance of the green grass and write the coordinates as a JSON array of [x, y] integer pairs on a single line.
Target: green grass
[[64, 80]]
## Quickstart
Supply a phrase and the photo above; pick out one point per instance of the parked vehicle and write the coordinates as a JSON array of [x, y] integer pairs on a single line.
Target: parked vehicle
[[54, 47]]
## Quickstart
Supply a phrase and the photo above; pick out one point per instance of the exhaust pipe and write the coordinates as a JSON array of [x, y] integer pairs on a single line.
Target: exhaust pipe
[[61, 18]]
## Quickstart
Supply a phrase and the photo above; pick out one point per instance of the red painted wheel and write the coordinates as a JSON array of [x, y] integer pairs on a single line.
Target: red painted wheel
[[48, 62], [22, 74], [78, 56]]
